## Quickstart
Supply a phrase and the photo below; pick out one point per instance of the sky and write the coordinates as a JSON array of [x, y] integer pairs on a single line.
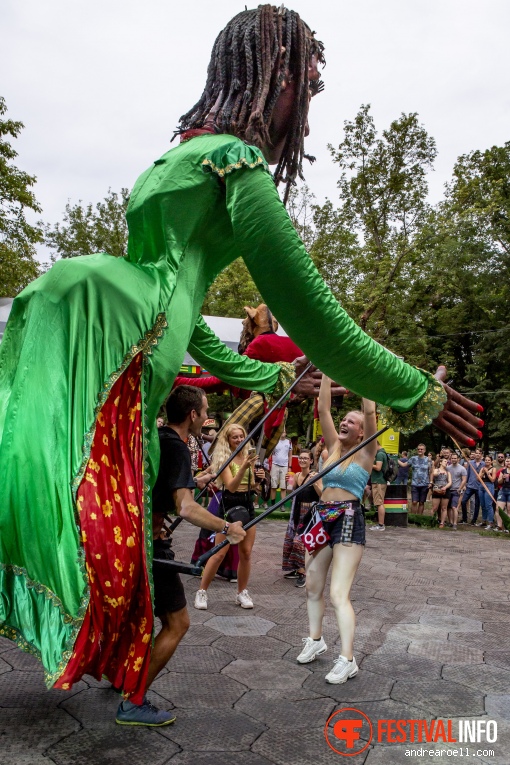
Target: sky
[[100, 85]]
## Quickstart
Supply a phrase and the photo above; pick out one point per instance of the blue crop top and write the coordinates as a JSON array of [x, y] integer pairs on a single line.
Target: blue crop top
[[353, 479]]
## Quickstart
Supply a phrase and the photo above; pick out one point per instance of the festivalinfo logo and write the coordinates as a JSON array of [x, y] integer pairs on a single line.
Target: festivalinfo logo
[[350, 731]]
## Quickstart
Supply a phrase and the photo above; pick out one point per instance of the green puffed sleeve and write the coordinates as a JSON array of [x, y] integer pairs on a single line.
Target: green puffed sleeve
[[295, 292], [232, 156], [236, 369]]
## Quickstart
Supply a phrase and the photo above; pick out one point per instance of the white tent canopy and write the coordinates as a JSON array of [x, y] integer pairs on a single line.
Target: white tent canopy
[[5, 309]]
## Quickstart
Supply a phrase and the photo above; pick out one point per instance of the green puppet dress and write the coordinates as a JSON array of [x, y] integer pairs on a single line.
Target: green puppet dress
[[89, 354]]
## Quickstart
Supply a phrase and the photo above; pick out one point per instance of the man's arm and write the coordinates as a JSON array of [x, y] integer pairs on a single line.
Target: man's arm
[[377, 466], [204, 477], [192, 512]]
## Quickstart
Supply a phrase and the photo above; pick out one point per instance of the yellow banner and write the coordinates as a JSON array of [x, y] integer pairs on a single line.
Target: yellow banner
[[390, 441], [317, 430]]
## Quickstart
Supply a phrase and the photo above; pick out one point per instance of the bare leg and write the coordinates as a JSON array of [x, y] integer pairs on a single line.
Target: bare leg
[[435, 508], [380, 514], [174, 627], [345, 564], [283, 493], [317, 566], [213, 563], [444, 510], [243, 570]]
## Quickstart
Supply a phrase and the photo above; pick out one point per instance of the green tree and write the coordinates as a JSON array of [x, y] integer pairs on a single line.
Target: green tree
[[383, 190], [460, 303], [477, 212], [87, 229], [480, 194], [232, 289], [337, 254], [17, 236], [301, 209], [332, 246]]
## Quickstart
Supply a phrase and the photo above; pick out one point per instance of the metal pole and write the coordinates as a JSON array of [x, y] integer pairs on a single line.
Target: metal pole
[[205, 557], [196, 569], [249, 436]]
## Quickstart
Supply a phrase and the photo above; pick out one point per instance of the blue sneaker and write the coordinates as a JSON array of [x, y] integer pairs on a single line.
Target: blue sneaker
[[142, 714]]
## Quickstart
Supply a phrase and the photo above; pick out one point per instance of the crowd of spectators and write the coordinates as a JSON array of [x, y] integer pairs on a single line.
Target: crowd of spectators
[[458, 486], [450, 479]]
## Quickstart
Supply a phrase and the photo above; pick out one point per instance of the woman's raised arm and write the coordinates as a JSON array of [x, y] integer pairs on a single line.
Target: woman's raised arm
[[328, 426]]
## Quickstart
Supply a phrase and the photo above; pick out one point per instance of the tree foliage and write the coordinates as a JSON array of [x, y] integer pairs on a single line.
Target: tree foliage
[[17, 236], [383, 191], [476, 213], [232, 289], [87, 229]]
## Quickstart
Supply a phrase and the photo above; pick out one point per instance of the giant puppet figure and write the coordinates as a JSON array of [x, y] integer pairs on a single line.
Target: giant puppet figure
[[92, 347]]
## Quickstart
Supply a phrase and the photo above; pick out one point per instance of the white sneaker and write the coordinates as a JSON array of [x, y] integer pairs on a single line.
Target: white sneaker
[[311, 649], [342, 670], [201, 600], [244, 600], [377, 527]]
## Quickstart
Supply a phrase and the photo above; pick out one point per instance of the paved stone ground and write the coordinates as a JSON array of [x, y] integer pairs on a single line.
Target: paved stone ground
[[433, 610]]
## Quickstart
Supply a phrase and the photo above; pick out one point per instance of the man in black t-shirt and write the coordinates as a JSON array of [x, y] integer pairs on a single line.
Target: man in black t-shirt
[[173, 493]]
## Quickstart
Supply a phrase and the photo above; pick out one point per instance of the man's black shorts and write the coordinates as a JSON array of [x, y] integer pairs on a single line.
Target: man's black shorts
[[419, 493], [168, 590]]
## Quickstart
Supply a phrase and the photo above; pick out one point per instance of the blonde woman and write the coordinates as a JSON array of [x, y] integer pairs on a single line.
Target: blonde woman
[[238, 483], [343, 519]]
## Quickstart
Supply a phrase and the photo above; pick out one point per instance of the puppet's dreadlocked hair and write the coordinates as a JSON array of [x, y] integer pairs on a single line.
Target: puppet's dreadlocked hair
[[248, 63]]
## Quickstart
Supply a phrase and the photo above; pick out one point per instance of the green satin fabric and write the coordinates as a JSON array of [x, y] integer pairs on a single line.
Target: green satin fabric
[[193, 212]]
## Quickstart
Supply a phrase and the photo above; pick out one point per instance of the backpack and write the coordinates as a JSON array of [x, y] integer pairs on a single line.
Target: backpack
[[391, 469]]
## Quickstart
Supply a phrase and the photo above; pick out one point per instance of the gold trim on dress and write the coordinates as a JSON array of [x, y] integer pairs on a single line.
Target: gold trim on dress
[[422, 414], [207, 164], [285, 379]]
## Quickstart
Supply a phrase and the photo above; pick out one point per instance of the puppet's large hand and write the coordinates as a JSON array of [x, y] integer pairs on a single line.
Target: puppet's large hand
[[309, 386], [459, 417]]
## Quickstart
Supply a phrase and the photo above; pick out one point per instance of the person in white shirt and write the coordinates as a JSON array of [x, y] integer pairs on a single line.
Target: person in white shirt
[[281, 464]]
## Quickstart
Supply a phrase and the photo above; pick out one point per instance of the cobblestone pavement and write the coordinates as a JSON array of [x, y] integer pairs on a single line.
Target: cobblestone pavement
[[433, 620]]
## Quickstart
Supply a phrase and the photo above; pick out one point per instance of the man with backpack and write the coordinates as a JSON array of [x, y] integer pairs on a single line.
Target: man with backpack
[[379, 482]]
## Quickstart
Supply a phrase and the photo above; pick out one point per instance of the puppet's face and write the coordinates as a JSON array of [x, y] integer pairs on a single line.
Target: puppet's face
[[281, 118], [259, 320]]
